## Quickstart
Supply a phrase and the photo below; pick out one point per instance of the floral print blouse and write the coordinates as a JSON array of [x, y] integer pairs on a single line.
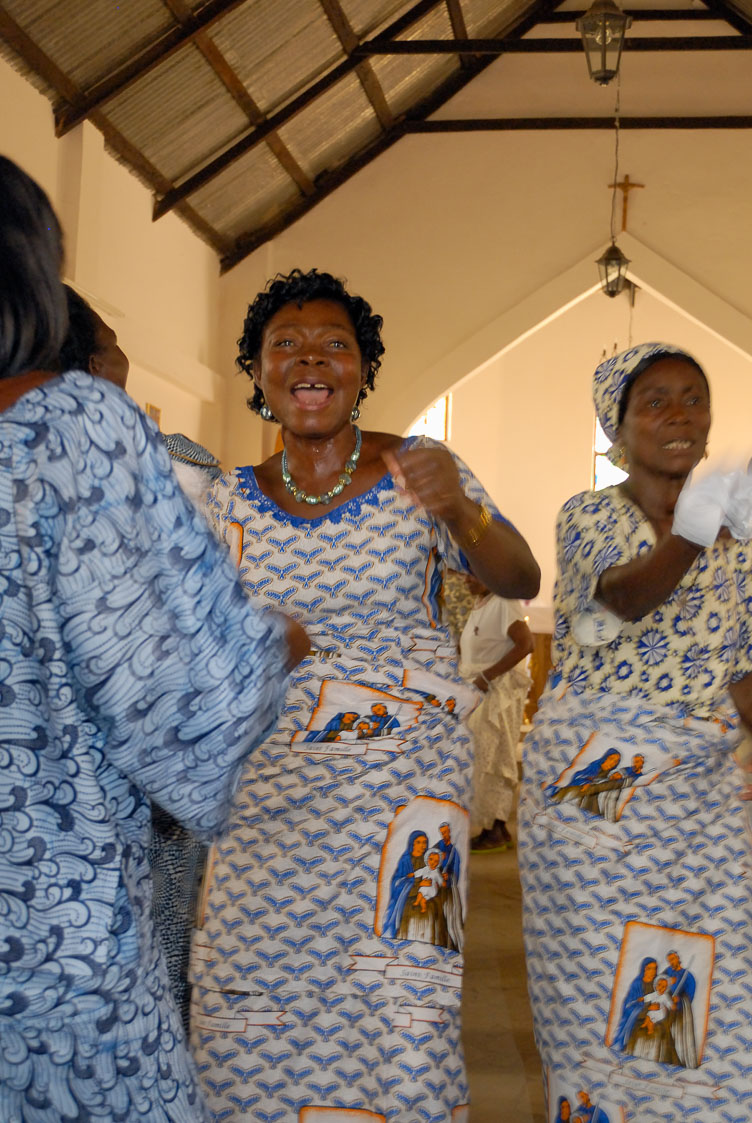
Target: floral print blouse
[[685, 653]]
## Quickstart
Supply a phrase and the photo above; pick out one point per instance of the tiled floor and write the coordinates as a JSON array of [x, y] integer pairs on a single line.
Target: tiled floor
[[504, 1069]]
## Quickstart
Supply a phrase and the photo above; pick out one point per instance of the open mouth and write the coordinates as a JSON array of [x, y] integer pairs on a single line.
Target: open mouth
[[678, 445], [311, 395]]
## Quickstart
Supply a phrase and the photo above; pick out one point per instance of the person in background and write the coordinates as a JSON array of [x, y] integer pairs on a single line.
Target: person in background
[[132, 669], [652, 665], [456, 603], [90, 344], [493, 645]]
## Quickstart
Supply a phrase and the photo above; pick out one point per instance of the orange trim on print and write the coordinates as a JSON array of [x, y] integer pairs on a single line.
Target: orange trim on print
[[338, 1115], [234, 540], [608, 1037], [547, 783], [433, 553], [366, 689], [385, 846]]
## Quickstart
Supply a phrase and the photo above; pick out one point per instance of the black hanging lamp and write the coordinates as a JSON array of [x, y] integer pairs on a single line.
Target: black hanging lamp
[[612, 266], [603, 28]]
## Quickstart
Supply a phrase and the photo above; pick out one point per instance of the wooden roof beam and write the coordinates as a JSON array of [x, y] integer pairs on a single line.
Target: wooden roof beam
[[36, 59], [648, 15], [364, 70], [329, 182], [547, 46], [527, 124], [459, 27], [242, 98], [248, 142], [723, 10], [68, 116]]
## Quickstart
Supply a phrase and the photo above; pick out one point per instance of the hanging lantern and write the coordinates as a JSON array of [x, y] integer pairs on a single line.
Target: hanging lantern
[[612, 266], [602, 29]]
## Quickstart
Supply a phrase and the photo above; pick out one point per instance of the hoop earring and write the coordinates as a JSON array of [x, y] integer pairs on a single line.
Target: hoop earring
[[705, 454], [355, 414], [266, 413], [621, 459]]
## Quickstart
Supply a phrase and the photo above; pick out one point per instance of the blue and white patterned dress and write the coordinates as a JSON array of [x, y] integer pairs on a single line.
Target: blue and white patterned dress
[[635, 849], [328, 965], [131, 666]]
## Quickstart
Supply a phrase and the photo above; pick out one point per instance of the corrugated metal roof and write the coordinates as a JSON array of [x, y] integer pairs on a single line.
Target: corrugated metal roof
[[179, 114], [338, 123], [407, 79], [245, 113], [367, 17], [483, 20], [88, 38], [251, 192], [277, 47]]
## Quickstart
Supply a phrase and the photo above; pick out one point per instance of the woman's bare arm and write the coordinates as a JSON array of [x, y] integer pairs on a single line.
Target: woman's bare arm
[[643, 584]]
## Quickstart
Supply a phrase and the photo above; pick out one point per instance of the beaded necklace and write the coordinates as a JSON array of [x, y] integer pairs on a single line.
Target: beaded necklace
[[344, 480]]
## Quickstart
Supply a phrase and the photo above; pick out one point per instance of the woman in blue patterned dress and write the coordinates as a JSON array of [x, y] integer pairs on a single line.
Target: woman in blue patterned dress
[[308, 1004], [652, 670], [131, 668]]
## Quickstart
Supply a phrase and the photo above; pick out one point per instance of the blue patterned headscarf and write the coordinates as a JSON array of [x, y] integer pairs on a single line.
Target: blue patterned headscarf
[[613, 377]]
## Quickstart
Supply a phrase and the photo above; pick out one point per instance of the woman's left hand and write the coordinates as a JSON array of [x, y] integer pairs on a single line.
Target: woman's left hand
[[500, 558], [481, 684], [430, 476]]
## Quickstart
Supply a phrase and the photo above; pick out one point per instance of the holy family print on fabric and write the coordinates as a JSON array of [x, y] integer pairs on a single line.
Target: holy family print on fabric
[[607, 773], [347, 716], [656, 997], [659, 1011]]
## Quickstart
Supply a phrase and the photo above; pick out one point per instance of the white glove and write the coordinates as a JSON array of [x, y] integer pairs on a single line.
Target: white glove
[[738, 516], [595, 626], [701, 508]]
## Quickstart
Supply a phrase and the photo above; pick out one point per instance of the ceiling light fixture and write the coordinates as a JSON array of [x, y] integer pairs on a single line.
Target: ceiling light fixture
[[603, 28]]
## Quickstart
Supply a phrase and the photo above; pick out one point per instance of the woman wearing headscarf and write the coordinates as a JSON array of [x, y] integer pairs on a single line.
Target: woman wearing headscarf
[[652, 660], [132, 668], [350, 530]]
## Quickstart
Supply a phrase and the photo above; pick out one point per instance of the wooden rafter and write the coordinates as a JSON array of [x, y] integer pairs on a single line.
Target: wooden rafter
[[366, 75], [232, 83], [38, 61], [165, 45], [511, 45], [725, 11], [250, 140], [528, 124], [459, 27], [329, 182], [648, 15]]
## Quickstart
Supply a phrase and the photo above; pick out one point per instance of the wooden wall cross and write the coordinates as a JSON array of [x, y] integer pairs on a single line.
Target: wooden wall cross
[[625, 187]]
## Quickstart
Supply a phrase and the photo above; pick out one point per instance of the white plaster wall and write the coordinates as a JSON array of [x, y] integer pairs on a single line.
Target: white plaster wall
[[156, 284], [446, 235]]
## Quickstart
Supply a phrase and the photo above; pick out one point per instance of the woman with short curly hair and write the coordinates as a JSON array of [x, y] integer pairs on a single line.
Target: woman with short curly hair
[[321, 984]]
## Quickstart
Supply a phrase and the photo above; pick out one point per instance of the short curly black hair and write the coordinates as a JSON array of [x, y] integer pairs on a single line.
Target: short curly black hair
[[301, 288]]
